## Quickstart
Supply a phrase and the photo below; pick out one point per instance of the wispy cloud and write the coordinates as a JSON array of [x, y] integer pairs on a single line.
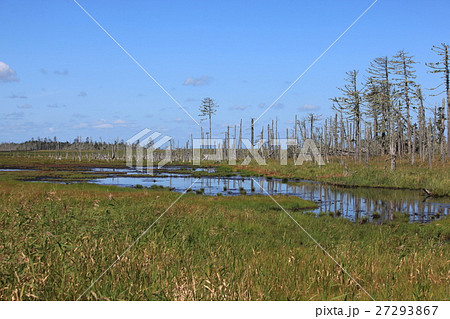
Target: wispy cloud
[[205, 79], [56, 106], [103, 125], [239, 107], [25, 106], [15, 96], [63, 72], [80, 125], [78, 115], [308, 107], [119, 122], [14, 116], [7, 74], [276, 105]]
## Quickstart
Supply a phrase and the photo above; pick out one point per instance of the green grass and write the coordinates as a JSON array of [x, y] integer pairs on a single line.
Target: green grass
[[55, 240], [46, 160], [352, 173], [376, 174]]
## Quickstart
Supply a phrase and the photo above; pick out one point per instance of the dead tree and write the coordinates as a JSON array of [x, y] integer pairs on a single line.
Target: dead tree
[[404, 69], [350, 104], [442, 67]]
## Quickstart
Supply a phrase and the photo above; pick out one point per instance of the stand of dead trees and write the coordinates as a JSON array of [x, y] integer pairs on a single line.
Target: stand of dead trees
[[379, 114]]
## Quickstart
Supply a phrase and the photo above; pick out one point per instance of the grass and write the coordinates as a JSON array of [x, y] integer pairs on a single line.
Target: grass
[[55, 240], [43, 160], [376, 174]]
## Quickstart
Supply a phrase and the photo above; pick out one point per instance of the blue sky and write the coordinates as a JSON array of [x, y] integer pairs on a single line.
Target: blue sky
[[61, 75]]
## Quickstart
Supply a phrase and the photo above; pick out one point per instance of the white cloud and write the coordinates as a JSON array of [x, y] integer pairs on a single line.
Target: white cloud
[[15, 96], [239, 107], [25, 106], [55, 105], [101, 124], [64, 72], [161, 129], [276, 105], [120, 123], [205, 79], [14, 116], [7, 74], [80, 125], [104, 125], [309, 107]]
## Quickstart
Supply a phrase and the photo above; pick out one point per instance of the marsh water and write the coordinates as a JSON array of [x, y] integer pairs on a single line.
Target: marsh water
[[359, 203]]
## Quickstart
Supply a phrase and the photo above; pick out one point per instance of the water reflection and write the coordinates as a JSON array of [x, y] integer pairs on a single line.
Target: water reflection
[[372, 204]]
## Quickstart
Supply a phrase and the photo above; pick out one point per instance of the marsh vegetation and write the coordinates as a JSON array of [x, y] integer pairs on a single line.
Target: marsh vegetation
[[57, 239]]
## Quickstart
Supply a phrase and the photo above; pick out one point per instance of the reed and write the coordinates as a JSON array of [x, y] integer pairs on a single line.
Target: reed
[[57, 239]]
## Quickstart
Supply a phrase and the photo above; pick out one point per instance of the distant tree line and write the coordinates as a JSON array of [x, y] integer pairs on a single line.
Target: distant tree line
[[52, 144]]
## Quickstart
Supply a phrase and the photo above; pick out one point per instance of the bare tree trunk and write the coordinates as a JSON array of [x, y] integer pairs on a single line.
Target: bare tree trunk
[[210, 115], [429, 148], [253, 131], [325, 141], [442, 129], [392, 150], [240, 135], [413, 146]]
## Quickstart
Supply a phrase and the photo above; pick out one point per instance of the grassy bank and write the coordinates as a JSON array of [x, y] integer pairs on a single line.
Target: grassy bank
[[376, 174], [56, 239], [46, 160]]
